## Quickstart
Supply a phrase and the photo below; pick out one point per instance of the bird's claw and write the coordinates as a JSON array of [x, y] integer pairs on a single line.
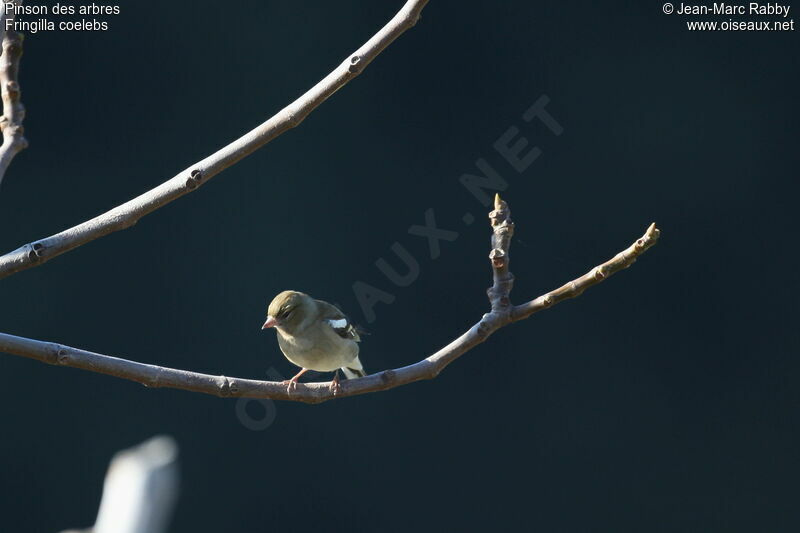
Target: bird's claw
[[291, 384], [335, 386]]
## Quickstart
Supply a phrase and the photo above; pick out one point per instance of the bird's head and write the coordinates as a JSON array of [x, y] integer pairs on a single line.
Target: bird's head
[[288, 310]]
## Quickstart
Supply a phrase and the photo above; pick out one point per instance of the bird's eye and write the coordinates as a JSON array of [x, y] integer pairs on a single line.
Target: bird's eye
[[285, 313]]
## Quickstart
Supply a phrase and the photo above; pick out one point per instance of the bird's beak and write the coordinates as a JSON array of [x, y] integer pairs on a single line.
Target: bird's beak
[[270, 323]]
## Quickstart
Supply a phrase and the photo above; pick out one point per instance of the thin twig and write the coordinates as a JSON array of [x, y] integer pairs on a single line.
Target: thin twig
[[127, 214], [502, 313], [13, 111]]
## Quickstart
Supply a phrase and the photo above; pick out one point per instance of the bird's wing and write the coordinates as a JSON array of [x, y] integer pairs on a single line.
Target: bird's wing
[[338, 321]]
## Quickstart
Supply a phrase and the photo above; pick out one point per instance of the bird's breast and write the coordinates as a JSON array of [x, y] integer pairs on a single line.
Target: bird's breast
[[320, 354]]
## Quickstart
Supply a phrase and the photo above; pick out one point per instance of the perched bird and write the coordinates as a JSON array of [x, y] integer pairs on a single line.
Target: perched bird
[[314, 335]]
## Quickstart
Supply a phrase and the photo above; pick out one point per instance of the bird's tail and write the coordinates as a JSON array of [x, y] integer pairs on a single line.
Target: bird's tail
[[354, 370]]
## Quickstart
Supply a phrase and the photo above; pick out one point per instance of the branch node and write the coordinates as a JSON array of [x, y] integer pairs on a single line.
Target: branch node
[[13, 88], [388, 376], [355, 64], [224, 387], [498, 257], [575, 288], [35, 251], [50, 352], [62, 356], [599, 273], [194, 180]]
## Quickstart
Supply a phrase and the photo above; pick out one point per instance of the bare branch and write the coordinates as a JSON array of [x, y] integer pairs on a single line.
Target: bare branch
[[127, 214], [13, 111], [502, 313], [575, 288]]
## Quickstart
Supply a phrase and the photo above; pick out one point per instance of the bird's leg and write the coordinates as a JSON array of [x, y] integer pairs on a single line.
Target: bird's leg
[[292, 383], [335, 387]]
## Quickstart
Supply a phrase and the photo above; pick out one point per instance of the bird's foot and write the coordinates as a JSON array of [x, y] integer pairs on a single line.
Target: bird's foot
[[291, 384], [335, 386]]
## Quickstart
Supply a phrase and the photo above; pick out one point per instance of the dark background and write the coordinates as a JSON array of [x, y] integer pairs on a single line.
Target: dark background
[[662, 400]]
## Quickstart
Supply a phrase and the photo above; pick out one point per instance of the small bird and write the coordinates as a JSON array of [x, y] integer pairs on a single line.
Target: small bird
[[314, 335]]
